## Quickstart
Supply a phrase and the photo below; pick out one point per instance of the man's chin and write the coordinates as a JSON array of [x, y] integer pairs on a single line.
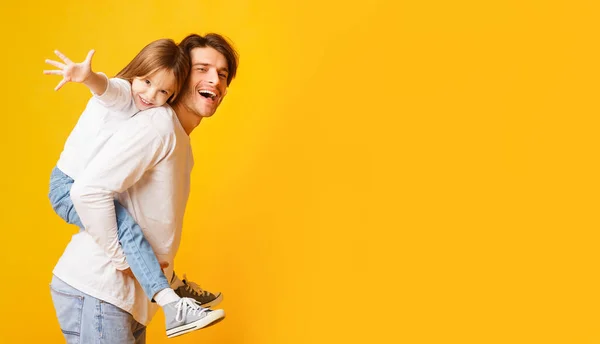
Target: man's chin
[[207, 114], [205, 111]]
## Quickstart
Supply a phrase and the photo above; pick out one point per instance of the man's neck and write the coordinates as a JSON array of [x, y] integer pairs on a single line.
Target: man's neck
[[188, 119]]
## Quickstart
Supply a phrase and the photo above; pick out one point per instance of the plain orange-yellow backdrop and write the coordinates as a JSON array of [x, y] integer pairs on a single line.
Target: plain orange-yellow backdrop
[[380, 172]]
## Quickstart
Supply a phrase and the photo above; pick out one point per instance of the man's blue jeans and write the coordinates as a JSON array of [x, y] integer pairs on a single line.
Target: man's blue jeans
[[86, 319], [139, 253]]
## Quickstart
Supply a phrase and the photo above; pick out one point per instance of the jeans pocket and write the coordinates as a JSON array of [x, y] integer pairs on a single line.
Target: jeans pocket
[[69, 309], [116, 325], [110, 309]]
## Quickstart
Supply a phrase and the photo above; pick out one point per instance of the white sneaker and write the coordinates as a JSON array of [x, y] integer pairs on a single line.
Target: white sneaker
[[186, 315]]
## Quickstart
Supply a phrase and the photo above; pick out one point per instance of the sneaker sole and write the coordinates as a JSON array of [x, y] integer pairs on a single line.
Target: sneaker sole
[[209, 320], [214, 302]]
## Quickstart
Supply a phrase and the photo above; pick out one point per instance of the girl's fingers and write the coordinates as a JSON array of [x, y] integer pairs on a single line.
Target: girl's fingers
[[56, 64], [62, 56], [89, 55], [60, 84], [53, 72]]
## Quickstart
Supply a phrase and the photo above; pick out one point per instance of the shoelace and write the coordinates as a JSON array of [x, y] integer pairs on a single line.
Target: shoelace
[[187, 306], [193, 288]]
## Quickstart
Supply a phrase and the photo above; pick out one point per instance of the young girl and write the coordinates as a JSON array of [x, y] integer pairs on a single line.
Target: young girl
[[152, 79]]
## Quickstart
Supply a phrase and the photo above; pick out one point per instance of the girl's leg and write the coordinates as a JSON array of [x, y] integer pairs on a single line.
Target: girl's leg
[[60, 197], [139, 253]]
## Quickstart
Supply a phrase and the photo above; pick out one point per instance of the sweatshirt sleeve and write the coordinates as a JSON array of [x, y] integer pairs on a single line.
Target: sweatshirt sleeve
[[117, 97]]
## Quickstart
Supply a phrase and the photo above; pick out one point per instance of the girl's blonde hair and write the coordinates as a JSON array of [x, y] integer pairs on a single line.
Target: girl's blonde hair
[[162, 53]]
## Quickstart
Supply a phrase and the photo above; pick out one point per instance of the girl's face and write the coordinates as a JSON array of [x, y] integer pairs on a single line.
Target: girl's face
[[153, 90]]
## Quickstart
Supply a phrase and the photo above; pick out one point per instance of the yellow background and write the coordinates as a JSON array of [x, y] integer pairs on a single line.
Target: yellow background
[[380, 172]]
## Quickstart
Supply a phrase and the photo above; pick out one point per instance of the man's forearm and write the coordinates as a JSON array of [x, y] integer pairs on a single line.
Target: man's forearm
[[96, 210]]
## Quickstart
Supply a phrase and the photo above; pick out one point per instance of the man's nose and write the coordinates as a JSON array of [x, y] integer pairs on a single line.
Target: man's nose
[[213, 77]]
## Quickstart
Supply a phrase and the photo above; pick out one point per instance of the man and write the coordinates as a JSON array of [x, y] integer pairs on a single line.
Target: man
[[147, 164]]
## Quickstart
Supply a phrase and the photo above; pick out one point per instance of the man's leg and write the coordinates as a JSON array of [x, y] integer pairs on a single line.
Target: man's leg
[[68, 304], [85, 319], [118, 326]]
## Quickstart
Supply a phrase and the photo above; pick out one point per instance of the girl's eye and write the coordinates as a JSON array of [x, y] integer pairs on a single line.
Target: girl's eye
[[147, 82]]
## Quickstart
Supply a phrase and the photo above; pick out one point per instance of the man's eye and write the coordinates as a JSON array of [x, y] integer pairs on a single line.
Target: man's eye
[[223, 76], [165, 92], [202, 69]]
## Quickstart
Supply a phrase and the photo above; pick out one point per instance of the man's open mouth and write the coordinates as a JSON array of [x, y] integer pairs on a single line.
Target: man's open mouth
[[208, 94]]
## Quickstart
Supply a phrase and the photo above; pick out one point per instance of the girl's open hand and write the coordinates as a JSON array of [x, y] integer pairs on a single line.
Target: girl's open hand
[[71, 72]]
